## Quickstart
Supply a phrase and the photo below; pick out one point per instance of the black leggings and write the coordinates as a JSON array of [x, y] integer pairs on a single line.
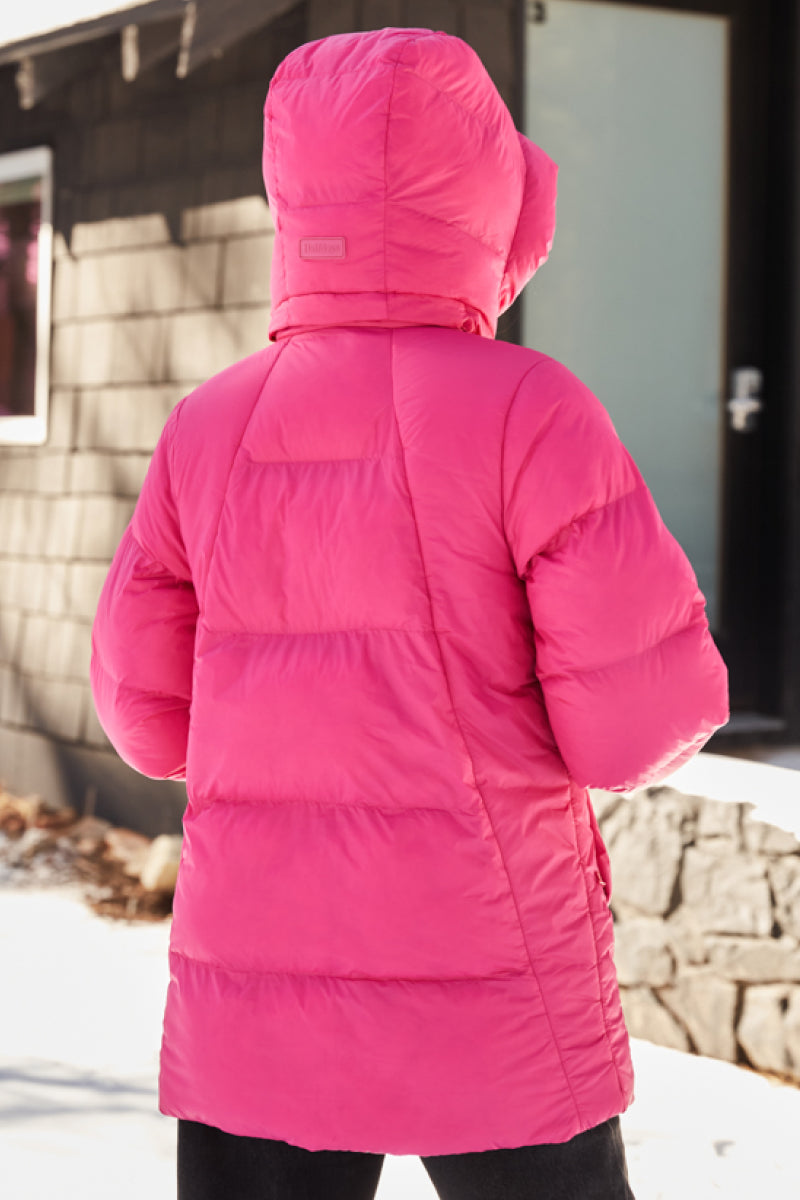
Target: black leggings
[[213, 1165]]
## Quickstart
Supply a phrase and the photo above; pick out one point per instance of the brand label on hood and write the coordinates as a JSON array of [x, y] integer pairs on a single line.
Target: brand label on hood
[[322, 247]]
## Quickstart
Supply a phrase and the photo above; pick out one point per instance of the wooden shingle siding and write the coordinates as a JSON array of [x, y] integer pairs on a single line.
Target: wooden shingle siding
[[161, 277]]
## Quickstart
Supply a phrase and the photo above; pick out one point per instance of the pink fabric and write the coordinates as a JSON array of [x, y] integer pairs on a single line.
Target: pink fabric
[[392, 597]]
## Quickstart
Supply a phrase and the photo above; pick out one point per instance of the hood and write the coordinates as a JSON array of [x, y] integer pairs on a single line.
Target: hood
[[401, 192]]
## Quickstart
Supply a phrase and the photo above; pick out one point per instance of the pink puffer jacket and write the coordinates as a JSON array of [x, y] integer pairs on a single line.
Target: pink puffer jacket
[[393, 595]]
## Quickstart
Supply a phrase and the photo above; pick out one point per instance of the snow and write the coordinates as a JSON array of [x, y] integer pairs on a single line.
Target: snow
[[80, 1015], [42, 16], [772, 791]]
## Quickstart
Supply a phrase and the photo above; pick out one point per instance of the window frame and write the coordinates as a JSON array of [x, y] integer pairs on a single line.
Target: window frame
[[31, 429]]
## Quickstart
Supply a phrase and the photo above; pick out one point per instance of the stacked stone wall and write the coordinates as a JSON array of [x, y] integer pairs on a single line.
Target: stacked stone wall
[[706, 905]]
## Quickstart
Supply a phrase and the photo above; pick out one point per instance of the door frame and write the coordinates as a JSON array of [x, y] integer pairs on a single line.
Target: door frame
[[758, 629]]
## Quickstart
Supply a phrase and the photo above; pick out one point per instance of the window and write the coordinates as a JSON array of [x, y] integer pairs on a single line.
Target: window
[[25, 270]]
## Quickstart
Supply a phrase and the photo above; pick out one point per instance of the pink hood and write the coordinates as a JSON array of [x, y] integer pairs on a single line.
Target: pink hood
[[393, 595], [400, 190]]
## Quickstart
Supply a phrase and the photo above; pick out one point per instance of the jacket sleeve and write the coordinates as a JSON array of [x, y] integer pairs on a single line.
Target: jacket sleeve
[[144, 631], [632, 680]]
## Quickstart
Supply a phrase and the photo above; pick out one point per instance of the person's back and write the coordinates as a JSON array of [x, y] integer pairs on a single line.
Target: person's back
[[400, 612]]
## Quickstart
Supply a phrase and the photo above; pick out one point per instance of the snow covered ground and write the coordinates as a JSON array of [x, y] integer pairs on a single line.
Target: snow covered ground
[[80, 1015]]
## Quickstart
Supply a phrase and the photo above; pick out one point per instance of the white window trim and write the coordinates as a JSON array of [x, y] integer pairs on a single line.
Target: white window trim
[[21, 164]]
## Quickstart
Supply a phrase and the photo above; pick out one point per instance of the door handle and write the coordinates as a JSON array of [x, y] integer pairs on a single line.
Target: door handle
[[745, 404]]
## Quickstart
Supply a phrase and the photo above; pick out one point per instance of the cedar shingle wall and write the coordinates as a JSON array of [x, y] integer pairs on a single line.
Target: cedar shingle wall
[[161, 278]]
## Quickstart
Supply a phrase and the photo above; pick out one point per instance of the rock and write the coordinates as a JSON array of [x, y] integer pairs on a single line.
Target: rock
[[761, 838], [769, 1028], [36, 841], [756, 960], [127, 848], [646, 1018], [160, 869], [641, 954], [727, 895], [12, 823], [676, 808], [784, 875], [89, 834], [706, 1007], [719, 826], [792, 1028], [50, 816], [686, 938], [26, 806], [645, 838], [17, 813], [32, 842]]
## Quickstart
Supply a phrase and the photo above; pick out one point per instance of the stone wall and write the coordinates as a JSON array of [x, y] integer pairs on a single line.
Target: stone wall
[[706, 904]]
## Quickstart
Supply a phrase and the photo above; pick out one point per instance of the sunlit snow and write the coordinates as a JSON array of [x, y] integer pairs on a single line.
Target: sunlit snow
[[81, 1016]]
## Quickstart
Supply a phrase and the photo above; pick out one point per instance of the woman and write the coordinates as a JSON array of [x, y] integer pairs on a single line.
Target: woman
[[393, 596]]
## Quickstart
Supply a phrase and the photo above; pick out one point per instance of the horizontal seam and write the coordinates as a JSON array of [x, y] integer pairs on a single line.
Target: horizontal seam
[[286, 78], [220, 967], [396, 64], [328, 804], [185, 701], [615, 662], [405, 294], [391, 203], [370, 199], [259, 633], [566, 529], [308, 462]]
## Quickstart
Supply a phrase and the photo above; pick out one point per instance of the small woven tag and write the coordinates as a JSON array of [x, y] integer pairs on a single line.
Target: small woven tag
[[322, 247]]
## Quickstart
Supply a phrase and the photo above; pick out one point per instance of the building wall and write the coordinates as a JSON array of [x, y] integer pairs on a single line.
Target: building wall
[[161, 278]]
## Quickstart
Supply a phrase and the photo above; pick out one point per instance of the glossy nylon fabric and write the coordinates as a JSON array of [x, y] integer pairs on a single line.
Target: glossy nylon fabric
[[393, 595]]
